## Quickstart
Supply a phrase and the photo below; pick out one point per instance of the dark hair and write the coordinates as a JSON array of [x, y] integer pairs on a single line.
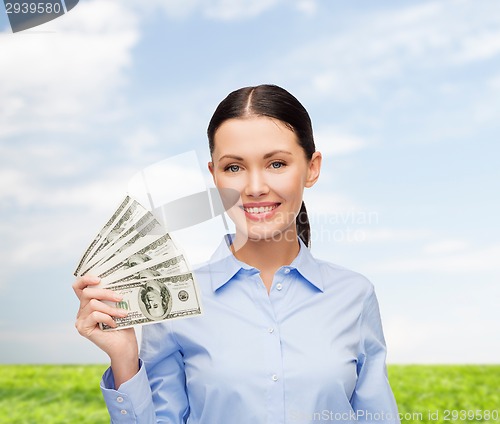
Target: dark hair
[[274, 102]]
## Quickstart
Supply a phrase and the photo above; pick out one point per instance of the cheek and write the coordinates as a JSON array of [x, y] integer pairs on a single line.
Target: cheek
[[223, 180], [289, 186], [229, 190]]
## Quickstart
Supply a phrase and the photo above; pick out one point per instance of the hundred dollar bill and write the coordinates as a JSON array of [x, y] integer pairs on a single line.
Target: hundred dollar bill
[[156, 299], [157, 267], [142, 251], [134, 213], [103, 233], [145, 231]]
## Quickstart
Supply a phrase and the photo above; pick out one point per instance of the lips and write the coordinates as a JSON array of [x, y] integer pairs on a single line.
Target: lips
[[260, 209]]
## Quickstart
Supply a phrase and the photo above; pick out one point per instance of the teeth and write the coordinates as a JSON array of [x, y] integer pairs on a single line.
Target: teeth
[[262, 209]]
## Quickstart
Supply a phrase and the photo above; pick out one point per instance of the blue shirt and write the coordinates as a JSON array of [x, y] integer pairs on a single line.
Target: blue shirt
[[311, 350]]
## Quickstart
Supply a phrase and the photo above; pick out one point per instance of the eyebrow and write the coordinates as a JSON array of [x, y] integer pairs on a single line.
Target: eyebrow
[[266, 156]]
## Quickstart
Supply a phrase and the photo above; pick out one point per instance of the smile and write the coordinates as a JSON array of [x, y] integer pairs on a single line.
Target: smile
[[260, 209]]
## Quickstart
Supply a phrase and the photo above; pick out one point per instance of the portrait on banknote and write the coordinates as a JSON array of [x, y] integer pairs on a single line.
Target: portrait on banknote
[[155, 300]]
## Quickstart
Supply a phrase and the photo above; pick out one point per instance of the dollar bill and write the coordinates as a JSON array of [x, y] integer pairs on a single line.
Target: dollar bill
[[157, 267], [156, 299], [142, 251], [146, 231], [128, 221], [103, 233], [133, 255]]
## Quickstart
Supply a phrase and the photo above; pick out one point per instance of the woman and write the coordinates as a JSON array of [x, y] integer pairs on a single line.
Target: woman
[[284, 337]]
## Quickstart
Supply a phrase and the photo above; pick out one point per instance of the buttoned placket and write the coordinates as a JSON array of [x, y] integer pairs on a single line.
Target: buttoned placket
[[270, 303], [121, 407]]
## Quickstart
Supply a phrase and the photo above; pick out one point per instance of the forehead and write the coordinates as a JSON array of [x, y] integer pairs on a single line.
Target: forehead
[[254, 135]]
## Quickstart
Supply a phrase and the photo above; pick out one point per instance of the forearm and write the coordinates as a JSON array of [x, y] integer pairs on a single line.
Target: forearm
[[124, 367]]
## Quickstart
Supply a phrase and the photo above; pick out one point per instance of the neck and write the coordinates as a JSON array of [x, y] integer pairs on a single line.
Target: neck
[[267, 255]]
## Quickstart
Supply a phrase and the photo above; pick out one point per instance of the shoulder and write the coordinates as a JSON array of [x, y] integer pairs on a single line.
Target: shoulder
[[202, 270], [337, 276], [203, 274]]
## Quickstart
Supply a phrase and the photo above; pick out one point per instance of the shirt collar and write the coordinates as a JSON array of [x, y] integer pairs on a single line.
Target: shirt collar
[[307, 266], [224, 265]]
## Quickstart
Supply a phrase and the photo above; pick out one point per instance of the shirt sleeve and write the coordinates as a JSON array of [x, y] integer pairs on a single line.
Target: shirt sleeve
[[157, 393], [373, 400], [131, 402]]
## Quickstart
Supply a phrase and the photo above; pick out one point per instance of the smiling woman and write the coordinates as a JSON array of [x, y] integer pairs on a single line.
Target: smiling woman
[[284, 337], [270, 171]]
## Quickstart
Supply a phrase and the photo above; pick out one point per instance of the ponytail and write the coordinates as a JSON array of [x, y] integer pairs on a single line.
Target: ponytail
[[303, 227]]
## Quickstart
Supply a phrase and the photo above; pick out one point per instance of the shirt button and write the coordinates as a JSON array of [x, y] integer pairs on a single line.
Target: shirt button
[[279, 286], [270, 329], [274, 377], [119, 399], [287, 271], [123, 412]]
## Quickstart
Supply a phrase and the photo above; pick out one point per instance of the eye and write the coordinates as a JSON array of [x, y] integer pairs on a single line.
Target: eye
[[277, 165], [232, 168]]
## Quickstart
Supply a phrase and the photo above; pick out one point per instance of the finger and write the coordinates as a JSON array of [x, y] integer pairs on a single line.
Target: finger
[[83, 282], [90, 324], [95, 305], [93, 293], [89, 293]]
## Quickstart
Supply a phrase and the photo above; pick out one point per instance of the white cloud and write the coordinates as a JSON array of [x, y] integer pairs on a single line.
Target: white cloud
[[478, 47], [332, 141], [445, 246], [50, 212], [382, 235], [228, 10], [483, 259], [59, 344], [494, 82], [412, 338], [221, 10], [309, 7], [386, 46], [177, 9], [140, 141], [48, 239], [28, 190], [425, 322], [327, 203], [80, 65]]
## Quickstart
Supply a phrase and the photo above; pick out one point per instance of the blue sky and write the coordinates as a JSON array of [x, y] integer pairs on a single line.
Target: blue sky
[[405, 103]]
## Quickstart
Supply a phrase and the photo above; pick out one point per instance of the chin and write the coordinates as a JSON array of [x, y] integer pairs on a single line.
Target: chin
[[270, 234]]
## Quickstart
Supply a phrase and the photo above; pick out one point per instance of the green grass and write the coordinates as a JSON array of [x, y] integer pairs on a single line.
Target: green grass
[[50, 394], [440, 388], [60, 394]]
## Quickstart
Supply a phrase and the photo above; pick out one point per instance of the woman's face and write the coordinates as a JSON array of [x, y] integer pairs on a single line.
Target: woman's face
[[261, 159]]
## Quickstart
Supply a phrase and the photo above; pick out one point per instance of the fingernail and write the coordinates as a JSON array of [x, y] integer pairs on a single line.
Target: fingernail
[[118, 297], [95, 279]]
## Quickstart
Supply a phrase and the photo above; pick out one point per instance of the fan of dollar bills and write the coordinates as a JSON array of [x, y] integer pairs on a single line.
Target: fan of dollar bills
[[135, 256]]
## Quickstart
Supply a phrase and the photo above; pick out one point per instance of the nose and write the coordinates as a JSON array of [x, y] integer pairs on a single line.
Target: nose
[[256, 185]]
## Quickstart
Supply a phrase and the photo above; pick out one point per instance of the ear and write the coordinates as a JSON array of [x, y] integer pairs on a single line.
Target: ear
[[313, 169], [211, 169]]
